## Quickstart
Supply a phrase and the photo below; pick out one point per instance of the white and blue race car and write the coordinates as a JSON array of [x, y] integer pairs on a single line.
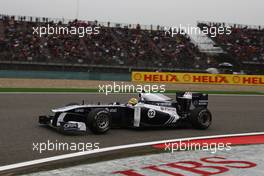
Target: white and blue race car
[[149, 110]]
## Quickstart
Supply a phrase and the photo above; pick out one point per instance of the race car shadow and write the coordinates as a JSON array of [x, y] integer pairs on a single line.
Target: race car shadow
[[66, 133], [179, 126]]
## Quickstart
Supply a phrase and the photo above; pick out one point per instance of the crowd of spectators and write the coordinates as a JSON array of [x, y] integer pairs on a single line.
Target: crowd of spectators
[[245, 43], [121, 46], [118, 46]]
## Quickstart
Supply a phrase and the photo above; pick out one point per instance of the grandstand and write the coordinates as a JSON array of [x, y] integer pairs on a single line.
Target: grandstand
[[123, 46], [245, 45]]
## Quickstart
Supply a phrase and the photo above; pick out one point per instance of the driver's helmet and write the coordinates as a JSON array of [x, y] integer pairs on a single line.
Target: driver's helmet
[[133, 101]]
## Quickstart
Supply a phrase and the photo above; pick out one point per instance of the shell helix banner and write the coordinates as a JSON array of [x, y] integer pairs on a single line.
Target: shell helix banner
[[196, 78]]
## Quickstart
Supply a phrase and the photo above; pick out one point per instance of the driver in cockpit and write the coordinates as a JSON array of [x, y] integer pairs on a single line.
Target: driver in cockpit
[[132, 102]]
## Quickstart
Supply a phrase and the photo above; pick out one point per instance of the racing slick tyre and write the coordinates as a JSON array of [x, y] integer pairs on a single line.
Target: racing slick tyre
[[99, 121], [201, 118]]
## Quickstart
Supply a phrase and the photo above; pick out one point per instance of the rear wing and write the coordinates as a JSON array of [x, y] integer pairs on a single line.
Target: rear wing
[[198, 99]]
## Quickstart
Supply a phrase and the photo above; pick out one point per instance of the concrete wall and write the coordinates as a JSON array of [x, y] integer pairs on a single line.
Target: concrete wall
[[65, 75]]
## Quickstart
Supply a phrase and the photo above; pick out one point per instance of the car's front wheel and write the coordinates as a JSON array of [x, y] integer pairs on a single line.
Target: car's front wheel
[[99, 121], [201, 118]]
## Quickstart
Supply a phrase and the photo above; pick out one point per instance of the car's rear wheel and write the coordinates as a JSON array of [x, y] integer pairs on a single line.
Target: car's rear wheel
[[201, 118], [99, 121]]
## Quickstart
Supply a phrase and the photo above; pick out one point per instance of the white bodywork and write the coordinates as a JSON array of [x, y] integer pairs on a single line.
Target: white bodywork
[[137, 108], [169, 110], [79, 125]]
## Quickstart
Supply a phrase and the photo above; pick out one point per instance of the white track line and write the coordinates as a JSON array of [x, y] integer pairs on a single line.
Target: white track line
[[107, 149]]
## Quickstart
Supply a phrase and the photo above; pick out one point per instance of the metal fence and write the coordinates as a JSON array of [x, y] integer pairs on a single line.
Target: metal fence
[[66, 21], [241, 26]]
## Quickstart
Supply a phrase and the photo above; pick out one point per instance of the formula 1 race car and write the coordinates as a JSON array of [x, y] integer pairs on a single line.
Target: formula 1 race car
[[149, 110]]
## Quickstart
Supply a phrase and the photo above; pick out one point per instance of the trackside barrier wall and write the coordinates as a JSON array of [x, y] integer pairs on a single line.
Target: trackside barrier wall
[[197, 78], [65, 75]]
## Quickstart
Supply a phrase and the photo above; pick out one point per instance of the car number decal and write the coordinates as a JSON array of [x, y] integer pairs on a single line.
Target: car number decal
[[151, 113]]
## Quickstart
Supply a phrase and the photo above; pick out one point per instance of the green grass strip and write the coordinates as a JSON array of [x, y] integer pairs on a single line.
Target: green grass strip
[[94, 90], [224, 92], [69, 90]]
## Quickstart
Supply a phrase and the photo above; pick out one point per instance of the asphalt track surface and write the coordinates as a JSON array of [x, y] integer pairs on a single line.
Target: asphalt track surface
[[19, 123]]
